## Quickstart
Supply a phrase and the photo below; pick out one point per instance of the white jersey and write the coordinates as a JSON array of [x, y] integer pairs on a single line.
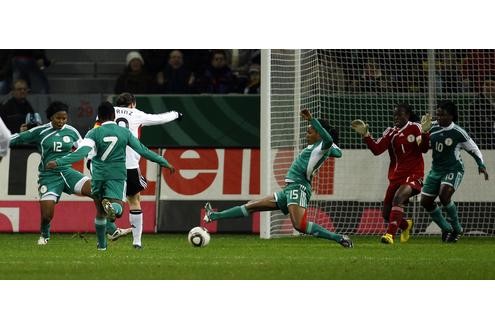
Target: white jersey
[[133, 119], [4, 139]]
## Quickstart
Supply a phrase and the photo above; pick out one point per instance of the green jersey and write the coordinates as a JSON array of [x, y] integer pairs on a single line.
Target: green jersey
[[312, 157], [51, 143], [109, 143], [446, 143]]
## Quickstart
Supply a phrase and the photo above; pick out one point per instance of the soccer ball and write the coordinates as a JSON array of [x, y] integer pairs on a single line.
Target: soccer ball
[[198, 237]]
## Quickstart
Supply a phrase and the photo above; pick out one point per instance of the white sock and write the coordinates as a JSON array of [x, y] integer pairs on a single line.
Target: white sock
[[136, 220]]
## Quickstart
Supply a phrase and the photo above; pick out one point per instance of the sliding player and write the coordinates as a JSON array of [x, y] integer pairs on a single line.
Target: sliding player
[[405, 143], [108, 142], [54, 140], [294, 198], [447, 169]]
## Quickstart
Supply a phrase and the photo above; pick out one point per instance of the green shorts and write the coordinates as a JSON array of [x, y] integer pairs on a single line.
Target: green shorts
[[51, 185], [434, 179], [112, 189], [293, 193]]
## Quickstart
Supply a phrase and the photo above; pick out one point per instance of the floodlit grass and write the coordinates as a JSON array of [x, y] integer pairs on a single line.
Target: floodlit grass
[[169, 256]]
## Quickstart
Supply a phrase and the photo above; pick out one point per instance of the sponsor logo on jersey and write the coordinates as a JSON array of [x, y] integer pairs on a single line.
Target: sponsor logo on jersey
[[448, 141], [411, 138], [66, 139]]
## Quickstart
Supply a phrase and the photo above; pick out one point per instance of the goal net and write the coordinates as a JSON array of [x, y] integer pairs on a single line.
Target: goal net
[[342, 85]]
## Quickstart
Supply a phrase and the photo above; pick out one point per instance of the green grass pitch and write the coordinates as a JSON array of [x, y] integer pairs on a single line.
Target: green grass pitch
[[170, 257]]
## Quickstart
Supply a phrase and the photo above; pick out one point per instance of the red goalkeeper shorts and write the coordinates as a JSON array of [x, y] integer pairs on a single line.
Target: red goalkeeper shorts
[[414, 181]]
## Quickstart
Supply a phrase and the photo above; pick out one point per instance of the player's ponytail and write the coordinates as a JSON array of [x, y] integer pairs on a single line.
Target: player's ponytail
[[334, 133]]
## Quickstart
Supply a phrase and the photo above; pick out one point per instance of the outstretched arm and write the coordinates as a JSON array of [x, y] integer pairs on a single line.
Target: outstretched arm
[[156, 119], [472, 149], [25, 137], [376, 147], [73, 157], [424, 141], [142, 150], [379, 146], [325, 136]]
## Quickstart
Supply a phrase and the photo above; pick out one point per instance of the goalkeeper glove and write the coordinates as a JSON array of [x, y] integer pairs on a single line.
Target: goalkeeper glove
[[180, 116], [360, 127], [425, 123]]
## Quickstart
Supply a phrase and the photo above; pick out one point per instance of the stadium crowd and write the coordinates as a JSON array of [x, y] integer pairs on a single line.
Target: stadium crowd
[[406, 70], [173, 71], [203, 71]]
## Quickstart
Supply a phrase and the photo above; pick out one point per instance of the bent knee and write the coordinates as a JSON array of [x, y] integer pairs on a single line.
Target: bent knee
[[445, 200], [300, 222], [426, 203], [398, 200]]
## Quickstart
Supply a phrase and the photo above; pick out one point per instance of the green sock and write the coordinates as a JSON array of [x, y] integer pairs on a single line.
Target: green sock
[[118, 209], [100, 226], [438, 218], [318, 231], [234, 212], [111, 227], [454, 218], [45, 229]]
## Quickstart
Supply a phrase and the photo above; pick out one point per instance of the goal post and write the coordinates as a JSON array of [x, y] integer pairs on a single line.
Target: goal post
[[265, 137], [345, 84]]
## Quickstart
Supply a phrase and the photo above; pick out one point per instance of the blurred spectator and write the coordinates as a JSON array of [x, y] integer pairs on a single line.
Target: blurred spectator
[[405, 69], [155, 59], [373, 78], [29, 65], [196, 60], [476, 66], [448, 77], [253, 82], [332, 74], [134, 79], [218, 77], [17, 111], [449, 71], [481, 116], [5, 71], [175, 77], [242, 59]]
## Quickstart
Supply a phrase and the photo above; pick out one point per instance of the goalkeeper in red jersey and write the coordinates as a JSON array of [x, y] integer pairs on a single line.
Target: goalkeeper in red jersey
[[405, 142]]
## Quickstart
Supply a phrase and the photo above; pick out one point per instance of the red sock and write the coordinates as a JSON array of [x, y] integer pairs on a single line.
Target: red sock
[[403, 224], [395, 217], [304, 222]]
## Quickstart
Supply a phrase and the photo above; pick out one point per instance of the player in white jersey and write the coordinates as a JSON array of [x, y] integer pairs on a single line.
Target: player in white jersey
[[4, 139], [127, 115]]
